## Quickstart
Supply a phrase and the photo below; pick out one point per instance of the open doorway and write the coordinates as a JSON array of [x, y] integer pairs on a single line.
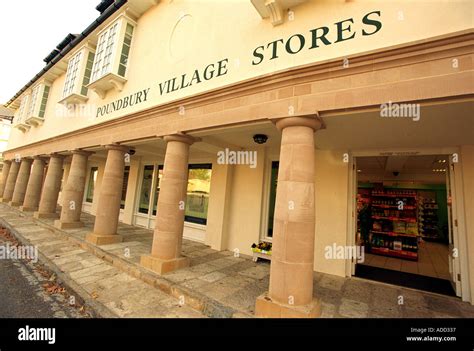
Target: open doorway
[[404, 221]]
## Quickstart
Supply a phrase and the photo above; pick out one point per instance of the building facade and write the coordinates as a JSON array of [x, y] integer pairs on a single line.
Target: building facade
[[184, 116], [6, 117]]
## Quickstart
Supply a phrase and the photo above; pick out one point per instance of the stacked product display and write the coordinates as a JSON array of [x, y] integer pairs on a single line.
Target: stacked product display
[[394, 229], [428, 219]]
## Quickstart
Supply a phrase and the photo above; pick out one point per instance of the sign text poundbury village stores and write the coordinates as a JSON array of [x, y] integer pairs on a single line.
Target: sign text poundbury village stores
[[292, 45]]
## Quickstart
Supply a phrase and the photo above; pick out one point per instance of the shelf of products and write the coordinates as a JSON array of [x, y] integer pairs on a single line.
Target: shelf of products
[[392, 234], [394, 229], [396, 253], [428, 219]]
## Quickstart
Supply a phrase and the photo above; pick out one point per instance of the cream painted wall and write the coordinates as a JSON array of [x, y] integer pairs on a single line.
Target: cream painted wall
[[331, 199], [218, 215], [244, 224], [169, 36], [467, 166], [130, 198]]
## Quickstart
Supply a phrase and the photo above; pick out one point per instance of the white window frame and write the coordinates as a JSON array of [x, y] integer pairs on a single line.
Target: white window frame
[[72, 75], [106, 49], [34, 99], [23, 108], [105, 70]]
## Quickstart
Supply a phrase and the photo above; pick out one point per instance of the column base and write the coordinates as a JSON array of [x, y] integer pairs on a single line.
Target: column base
[[161, 266], [98, 239], [265, 307], [28, 209], [67, 225], [39, 215], [5, 201], [14, 204]]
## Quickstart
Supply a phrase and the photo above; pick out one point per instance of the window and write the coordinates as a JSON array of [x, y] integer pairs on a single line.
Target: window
[[72, 74], [37, 107], [157, 189], [20, 118], [34, 97], [91, 185], [124, 186], [111, 58], [44, 100], [78, 76], [197, 200], [145, 191], [23, 106], [271, 203], [102, 64], [127, 42], [87, 73]]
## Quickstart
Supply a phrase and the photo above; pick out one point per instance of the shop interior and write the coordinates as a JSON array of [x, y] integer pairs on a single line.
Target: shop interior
[[403, 221]]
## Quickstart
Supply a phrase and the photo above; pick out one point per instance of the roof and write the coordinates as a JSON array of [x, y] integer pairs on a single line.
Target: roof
[[71, 41], [5, 112]]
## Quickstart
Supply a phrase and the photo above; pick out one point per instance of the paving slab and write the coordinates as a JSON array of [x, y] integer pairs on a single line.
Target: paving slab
[[217, 284]]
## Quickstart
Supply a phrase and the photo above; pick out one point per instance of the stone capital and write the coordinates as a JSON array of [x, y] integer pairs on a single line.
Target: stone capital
[[53, 154], [183, 138], [118, 147], [313, 122], [81, 152]]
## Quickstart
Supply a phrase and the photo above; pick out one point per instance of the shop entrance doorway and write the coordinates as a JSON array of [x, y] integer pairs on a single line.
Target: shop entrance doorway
[[406, 222]]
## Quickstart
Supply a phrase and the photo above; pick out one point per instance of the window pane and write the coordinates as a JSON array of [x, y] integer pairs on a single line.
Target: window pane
[[44, 100], [271, 202], [145, 191], [157, 189], [91, 186], [124, 186], [34, 97], [125, 50], [73, 67], [22, 112], [197, 200], [87, 73]]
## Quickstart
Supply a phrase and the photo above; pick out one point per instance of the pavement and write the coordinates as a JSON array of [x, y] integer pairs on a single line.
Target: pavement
[[25, 292], [217, 284]]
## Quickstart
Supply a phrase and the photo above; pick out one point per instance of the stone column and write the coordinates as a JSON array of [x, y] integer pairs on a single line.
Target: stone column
[[35, 183], [110, 195], [5, 171], [168, 235], [66, 168], [21, 182], [291, 274], [11, 180], [74, 192], [52, 183]]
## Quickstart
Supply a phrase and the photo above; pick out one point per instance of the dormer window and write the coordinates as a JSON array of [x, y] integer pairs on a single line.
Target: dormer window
[[37, 106], [20, 122], [77, 76], [71, 76], [111, 59]]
